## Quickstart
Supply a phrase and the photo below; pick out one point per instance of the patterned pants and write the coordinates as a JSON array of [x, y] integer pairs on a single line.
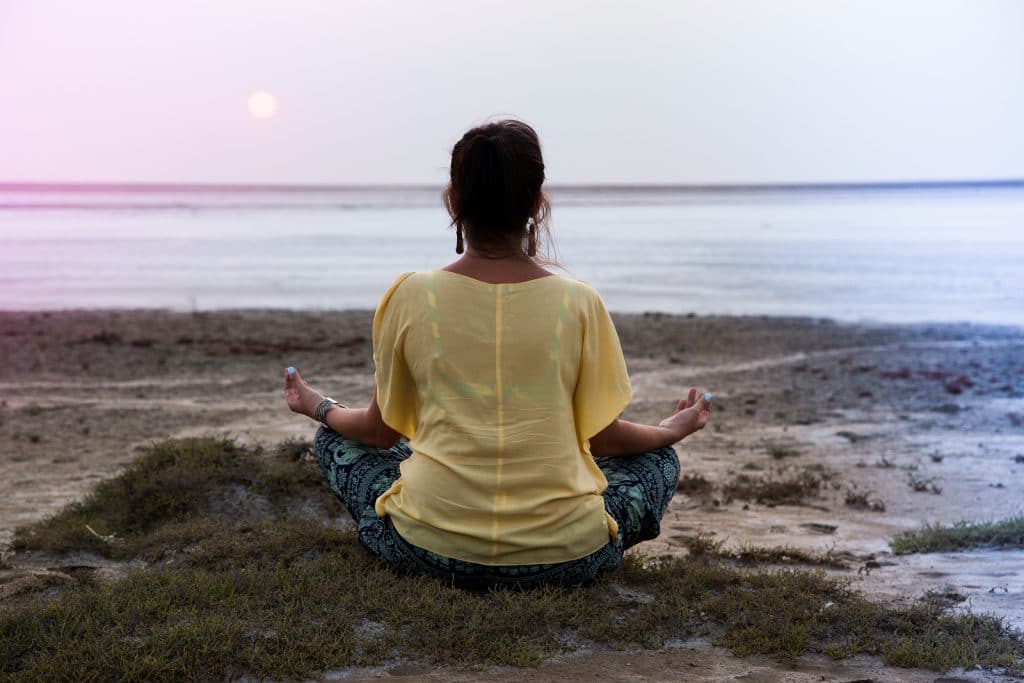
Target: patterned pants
[[639, 490]]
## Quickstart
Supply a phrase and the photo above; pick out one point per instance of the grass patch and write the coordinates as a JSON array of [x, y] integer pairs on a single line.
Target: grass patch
[[705, 546], [1006, 533], [787, 555], [178, 482], [922, 484], [779, 452], [859, 499], [217, 591], [792, 487], [296, 448]]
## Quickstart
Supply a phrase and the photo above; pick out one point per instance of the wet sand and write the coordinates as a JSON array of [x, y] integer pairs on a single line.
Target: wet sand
[[866, 411]]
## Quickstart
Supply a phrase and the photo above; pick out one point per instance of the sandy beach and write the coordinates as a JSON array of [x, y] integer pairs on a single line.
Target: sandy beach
[[825, 437]]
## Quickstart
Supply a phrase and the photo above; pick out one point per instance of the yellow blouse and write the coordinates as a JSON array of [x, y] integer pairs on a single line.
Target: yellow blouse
[[498, 388]]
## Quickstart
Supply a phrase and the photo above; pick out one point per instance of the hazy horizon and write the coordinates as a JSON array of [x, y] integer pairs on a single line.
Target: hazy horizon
[[145, 186]]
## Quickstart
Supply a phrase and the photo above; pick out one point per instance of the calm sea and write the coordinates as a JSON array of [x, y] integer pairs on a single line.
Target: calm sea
[[903, 255]]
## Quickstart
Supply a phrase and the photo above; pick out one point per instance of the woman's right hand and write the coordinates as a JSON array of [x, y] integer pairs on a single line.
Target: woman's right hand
[[300, 397], [691, 414]]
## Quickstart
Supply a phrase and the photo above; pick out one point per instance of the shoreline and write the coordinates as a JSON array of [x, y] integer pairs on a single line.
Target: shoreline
[[800, 319]]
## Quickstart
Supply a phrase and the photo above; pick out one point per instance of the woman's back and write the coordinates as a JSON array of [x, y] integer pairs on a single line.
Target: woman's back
[[504, 378], [498, 386]]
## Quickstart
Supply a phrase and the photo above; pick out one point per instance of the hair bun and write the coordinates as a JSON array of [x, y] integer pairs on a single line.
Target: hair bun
[[495, 188]]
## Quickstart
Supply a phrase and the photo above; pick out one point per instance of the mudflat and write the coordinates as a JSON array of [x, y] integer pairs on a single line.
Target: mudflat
[[826, 440]]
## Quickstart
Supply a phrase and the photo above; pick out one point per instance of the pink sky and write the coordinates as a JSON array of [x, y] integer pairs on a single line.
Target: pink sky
[[685, 92]]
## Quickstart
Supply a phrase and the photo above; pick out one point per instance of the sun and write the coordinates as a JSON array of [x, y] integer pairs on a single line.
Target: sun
[[262, 104]]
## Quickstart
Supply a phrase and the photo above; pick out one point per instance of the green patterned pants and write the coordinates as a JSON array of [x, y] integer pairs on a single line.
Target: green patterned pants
[[639, 490]]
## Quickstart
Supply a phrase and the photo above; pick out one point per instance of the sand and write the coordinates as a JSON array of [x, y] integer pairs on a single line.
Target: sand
[[860, 407]]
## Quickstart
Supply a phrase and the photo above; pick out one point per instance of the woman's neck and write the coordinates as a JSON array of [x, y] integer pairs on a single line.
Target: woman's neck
[[509, 253], [497, 267]]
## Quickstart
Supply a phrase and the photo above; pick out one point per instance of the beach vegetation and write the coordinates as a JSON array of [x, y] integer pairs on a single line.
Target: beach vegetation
[[751, 554], [181, 482], [794, 486], [779, 451], [694, 485], [222, 562], [706, 546], [921, 484], [859, 499], [938, 538]]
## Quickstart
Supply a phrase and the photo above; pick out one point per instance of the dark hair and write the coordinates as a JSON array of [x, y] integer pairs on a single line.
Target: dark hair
[[495, 186]]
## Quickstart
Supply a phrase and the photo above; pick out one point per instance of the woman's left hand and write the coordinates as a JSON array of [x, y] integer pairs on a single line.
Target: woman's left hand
[[301, 397], [692, 413]]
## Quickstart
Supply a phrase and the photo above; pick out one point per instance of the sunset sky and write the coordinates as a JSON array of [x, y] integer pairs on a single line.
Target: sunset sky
[[637, 92]]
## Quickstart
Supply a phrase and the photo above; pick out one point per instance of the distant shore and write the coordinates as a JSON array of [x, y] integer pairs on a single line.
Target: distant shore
[[700, 188], [110, 196]]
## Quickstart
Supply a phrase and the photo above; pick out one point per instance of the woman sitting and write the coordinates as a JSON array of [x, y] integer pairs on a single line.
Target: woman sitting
[[492, 452]]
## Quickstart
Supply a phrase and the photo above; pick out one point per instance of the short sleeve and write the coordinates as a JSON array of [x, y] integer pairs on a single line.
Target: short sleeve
[[602, 388], [396, 390]]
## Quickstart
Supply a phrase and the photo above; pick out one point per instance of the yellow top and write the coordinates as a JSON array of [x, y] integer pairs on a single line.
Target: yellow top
[[498, 388]]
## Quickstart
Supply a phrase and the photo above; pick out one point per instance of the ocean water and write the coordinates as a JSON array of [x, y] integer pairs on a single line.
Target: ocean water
[[908, 255]]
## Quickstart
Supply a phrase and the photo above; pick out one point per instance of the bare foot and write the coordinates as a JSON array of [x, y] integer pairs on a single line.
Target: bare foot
[[301, 397]]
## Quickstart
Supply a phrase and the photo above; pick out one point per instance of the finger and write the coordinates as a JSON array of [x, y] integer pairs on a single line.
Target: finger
[[288, 373], [702, 419], [681, 405], [703, 400], [692, 397]]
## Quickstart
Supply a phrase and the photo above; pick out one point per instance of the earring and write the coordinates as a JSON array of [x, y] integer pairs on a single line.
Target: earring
[[531, 239], [459, 247]]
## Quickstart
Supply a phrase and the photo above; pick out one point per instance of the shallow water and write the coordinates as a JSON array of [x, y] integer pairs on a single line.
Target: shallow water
[[901, 256]]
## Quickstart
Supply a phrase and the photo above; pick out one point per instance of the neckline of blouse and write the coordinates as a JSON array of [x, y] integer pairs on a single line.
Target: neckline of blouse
[[511, 285]]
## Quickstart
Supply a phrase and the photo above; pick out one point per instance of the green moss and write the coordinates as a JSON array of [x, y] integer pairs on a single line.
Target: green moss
[[1006, 533], [280, 592]]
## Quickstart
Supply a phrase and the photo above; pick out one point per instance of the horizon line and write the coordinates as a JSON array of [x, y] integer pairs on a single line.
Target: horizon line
[[49, 186]]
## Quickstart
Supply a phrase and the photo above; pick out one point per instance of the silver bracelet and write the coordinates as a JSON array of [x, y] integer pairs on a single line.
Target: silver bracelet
[[320, 414]]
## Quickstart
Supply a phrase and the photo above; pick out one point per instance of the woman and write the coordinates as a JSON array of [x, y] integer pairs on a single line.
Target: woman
[[498, 383]]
